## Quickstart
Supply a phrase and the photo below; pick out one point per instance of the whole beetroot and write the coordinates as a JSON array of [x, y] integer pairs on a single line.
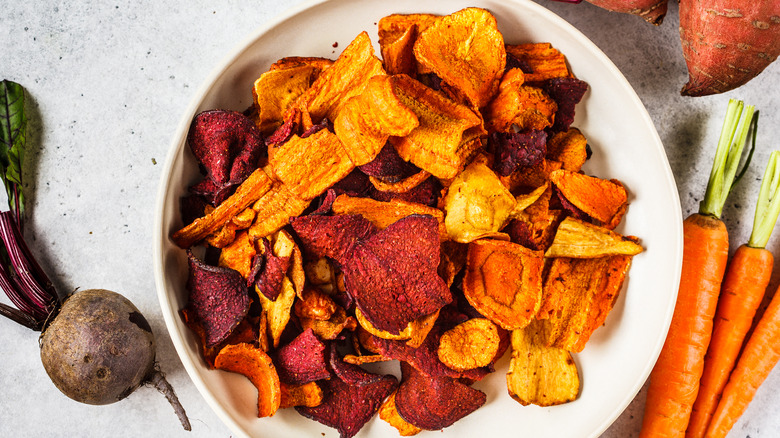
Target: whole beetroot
[[652, 11], [727, 42]]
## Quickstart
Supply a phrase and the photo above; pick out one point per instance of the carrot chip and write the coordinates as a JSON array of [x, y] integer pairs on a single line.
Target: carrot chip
[[257, 366]]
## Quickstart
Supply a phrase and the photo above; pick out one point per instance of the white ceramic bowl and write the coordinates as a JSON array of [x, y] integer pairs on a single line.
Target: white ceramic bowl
[[619, 356]]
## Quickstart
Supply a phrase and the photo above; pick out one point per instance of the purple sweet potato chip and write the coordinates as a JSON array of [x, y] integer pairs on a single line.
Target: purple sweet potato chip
[[515, 62], [392, 274], [426, 193], [514, 150], [567, 93], [347, 407], [302, 360], [389, 166], [227, 144], [269, 279], [356, 183], [218, 298], [433, 403], [331, 236]]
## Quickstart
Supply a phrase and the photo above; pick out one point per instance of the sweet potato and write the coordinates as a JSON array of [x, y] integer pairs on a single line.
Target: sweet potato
[[653, 11], [727, 42]]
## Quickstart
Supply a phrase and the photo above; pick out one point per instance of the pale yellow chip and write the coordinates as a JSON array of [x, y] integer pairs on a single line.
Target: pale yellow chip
[[579, 239], [477, 205], [540, 375]]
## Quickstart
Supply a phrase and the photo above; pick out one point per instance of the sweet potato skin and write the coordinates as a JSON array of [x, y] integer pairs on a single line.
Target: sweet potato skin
[[727, 42], [653, 11]]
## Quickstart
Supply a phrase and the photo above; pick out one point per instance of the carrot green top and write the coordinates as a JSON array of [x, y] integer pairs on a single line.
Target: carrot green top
[[727, 157], [768, 205]]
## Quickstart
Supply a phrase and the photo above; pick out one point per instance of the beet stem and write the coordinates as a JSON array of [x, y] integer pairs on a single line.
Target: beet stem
[[19, 317], [157, 379]]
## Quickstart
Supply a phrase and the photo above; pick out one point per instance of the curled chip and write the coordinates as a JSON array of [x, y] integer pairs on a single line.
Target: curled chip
[[368, 119], [471, 344], [538, 374], [257, 366], [579, 239], [389, 413], [523, 106], [254, 187], [578, 296], [309, 394], [272, 269], [348, 406], [433, 403], [392, 274], [332, 327], [414, 333], [393, 27], [544, 61], [466, 50], [275, 90], [277, 311], [315, 304], [601, 199], [218, 297], [448, 133], [477, 204], [302, 360], [426, 192], [503, 281]]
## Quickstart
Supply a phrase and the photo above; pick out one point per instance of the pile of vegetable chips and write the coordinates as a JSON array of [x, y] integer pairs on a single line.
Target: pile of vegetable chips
[[427, 207]]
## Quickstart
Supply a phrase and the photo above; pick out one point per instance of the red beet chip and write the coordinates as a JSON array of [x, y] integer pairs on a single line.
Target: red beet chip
[[227, 144], [283, 132], [268, 279], [426, 193], [514, 62], [356, 183], [302, 360], [514, 150], [347, 407], [392, 274], [389, 166], [567, 93], [520, 232], [331, 236], [218, 298], [570, 208], [433, 403], [347, 372]]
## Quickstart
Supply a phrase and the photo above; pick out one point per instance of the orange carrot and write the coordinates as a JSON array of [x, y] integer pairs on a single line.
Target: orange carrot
[[760, 355], [743, 288], [674, 381]]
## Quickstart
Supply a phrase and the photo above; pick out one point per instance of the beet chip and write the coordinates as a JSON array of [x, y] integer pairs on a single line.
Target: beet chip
[[218, 297], [302, 360], [567, 93], [433, 403], [274, 268], [514, 150], [331, 236], [227, 144], [392, 275], [348, 407], [389, 166], [425, 193]]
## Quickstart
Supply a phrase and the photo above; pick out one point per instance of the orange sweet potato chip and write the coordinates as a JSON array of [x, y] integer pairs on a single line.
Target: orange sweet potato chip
[[238, 254], [368, 119], [274, 210], [255, 186], [275, 90], [389, 413], [309, 394], [398, 55], [578, 296], [414, 333], [392, 27], [570, 148], [470, 344], [503, 281], [445, 137], [257, 366], [297, 61], [345, 78], [227, 233], [332, 327], [466, 50], [382, 214], [601, 199], [545, 61], [522, 105], [309, 165]]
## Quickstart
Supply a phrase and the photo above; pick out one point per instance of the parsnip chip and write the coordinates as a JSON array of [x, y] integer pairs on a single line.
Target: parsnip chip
[[538, 374], [254, 187], [544, 60], [601, 199], [578, 296], [570, 148], [579, 239], [345, 78], [275, 90], [468, 345], [309, 394], [477, 204], [257, 366], [389, 413], [368, 119], [525, 200], [382, 214], [466, 50], [447, 132], [274, 210], [309, 165], [503, 281]]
